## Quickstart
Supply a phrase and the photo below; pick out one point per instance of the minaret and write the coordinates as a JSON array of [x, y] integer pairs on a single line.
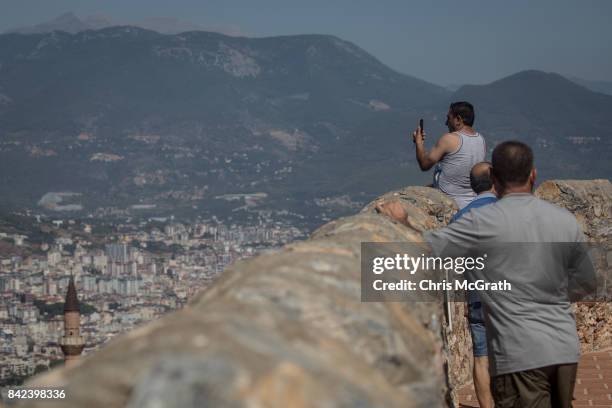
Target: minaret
[[72, 342]]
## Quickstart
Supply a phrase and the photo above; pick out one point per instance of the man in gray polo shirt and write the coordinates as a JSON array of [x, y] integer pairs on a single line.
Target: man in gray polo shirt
[[539, 248]]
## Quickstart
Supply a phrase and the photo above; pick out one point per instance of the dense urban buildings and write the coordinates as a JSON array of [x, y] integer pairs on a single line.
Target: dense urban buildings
[[124, 277]]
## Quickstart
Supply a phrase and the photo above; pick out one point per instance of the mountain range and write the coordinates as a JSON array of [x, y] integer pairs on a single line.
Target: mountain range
[[307, 127], [71, 23], [595, 86]]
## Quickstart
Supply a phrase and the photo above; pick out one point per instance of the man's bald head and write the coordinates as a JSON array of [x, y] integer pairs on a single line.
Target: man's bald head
[[480, 177]]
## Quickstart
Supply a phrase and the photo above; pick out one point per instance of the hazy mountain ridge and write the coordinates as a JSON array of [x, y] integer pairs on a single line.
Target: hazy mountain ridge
[[530, 97], [67, 22], [566, 123], [594, 85], [192, 111], [129, 116], [71, 23]]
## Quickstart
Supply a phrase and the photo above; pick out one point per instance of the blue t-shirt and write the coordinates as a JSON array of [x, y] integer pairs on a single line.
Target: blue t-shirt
[[480, 200], [475, 314]]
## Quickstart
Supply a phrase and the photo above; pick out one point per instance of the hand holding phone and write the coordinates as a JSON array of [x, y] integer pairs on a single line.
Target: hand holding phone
[[419, 133]]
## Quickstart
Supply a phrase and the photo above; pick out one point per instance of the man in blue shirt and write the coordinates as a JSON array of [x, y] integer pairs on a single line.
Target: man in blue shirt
[[480, 181]]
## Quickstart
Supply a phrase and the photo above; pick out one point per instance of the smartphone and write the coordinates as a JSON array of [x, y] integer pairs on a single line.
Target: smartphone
[[421, 125]]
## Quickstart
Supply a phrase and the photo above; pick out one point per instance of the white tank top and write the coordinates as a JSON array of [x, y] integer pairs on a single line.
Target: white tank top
[[453, 171]]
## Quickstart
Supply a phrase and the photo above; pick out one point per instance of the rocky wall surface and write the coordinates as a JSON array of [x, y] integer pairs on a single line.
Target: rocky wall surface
[[289, 328], [591, 202], [286, 329]]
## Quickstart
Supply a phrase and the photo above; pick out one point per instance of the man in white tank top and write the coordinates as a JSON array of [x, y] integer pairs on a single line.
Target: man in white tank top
[[454, 154]]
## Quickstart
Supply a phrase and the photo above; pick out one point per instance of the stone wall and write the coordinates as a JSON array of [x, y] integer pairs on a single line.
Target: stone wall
[[289, 328], [279, 330], [591, 203]]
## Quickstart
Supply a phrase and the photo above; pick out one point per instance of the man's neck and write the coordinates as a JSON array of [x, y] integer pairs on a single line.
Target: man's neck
[[466, 129], [526, 189], [485, 192]]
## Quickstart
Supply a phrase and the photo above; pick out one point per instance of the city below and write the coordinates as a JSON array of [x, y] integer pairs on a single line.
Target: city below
[[124, 275]]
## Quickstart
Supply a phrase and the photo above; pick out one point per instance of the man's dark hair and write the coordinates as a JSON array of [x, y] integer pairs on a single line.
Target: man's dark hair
[[464, 110], [512, 162], [480, 181]]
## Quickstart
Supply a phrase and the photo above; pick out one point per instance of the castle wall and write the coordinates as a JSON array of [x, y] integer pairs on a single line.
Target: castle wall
[[289, 328]]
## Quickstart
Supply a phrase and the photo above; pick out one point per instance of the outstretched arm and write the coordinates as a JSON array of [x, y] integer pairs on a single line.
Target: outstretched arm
[[443, 146], [453, 240]]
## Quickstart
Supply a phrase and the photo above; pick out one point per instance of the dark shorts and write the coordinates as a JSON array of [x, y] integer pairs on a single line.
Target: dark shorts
[[544, 387], [477, 326], [479, 339]]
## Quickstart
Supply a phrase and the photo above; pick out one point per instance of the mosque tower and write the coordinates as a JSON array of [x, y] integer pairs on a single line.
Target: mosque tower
[[72, 342]]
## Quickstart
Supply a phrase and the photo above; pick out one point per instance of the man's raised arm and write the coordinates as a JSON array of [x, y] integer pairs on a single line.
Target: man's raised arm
[[427, 159]]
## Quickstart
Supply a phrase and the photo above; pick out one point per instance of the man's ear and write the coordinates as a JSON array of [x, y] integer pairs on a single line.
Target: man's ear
[[459, 120], [494, 190], [532, 178], [496, 184]]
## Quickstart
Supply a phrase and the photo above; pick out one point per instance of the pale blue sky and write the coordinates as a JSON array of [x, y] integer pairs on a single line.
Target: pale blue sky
[[442, 41]]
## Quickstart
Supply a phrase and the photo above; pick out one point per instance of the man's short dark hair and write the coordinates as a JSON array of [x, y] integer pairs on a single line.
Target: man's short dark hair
[[464, 110], [512, 162], [481, 181]]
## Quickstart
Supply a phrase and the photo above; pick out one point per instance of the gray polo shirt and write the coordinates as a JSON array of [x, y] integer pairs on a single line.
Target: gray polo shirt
[[542, 252]]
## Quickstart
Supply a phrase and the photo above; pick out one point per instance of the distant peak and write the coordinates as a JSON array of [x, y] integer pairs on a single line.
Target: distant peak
[[67, 22], [68, 19], [532, 74]]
